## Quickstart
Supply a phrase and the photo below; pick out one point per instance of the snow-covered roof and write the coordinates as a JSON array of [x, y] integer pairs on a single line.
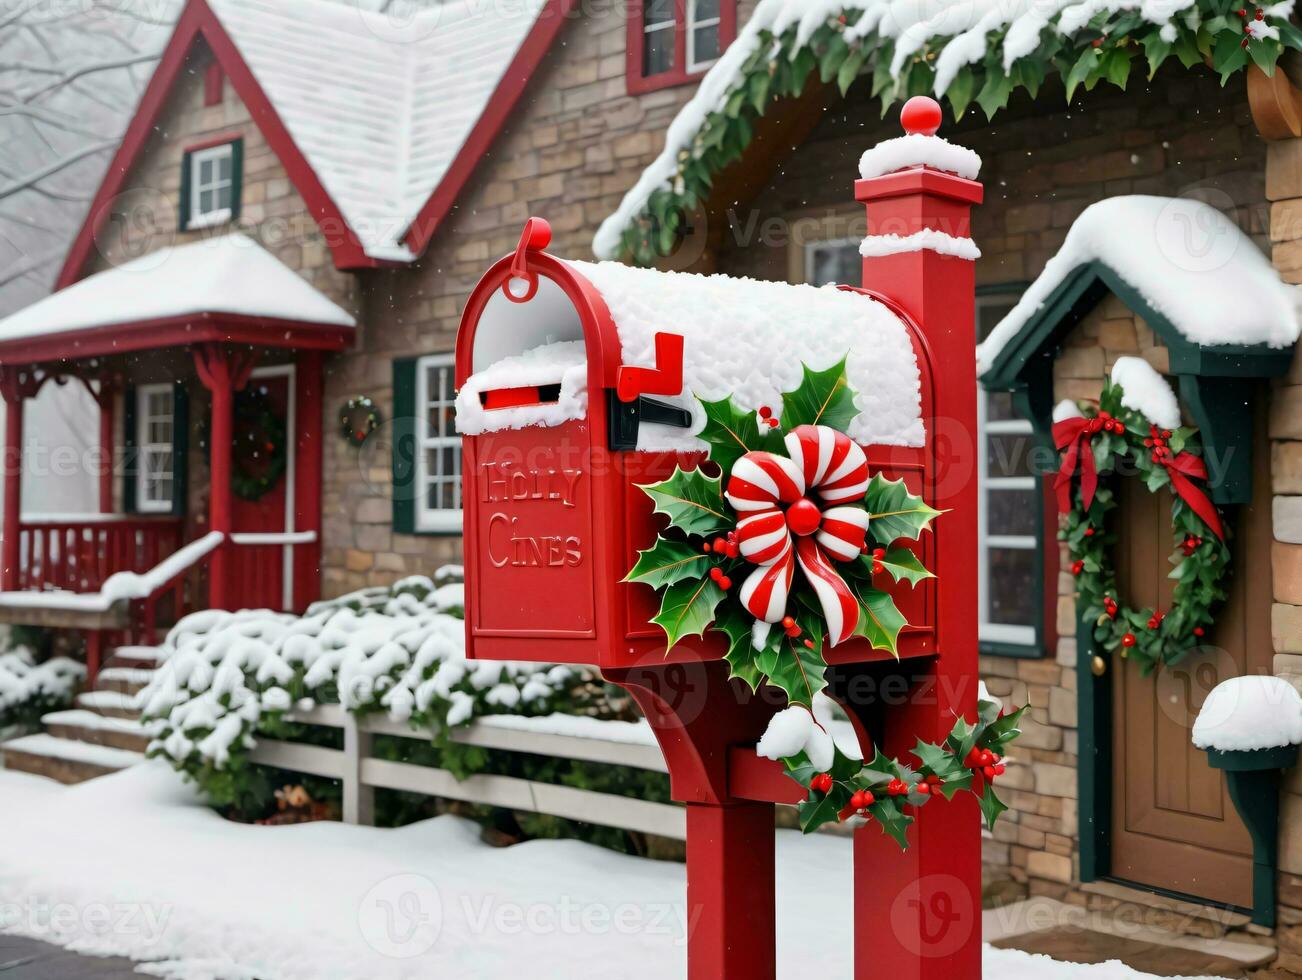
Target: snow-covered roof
[[742, 338], [379, 112], [1189, 262], [232, 274]]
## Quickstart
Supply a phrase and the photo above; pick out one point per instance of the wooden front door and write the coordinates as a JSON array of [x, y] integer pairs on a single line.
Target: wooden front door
[[1173, 824], [261, 567]]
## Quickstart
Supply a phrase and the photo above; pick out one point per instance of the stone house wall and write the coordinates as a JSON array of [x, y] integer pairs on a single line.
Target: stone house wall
[[1284, 190]]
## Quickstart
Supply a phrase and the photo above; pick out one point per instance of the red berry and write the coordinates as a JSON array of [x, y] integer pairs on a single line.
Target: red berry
[[810, 644], [879, 553], [878, 568], [1119, 427], [1077, 567], [1241, 12], [765, 412], [1089, 532], [1128, 640], [822, 782], [924, 789], [788, 622], [793, 632], [1097, 42], [1243, 43], [720, 546], [935, 781], [860, 799], [706, 548], [1199, 631], [773, 423], [725, 583], [716, 573], [732, 550], [988, 772]]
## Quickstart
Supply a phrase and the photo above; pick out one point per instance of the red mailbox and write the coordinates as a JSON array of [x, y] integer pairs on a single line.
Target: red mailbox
[[579, 382]]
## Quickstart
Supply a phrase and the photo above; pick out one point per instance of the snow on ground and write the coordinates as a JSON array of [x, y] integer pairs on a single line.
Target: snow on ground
[[134, 865]]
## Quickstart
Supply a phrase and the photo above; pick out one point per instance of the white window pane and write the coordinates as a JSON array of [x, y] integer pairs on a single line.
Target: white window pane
[[705, 44], [224, 167], [834, 262], [1009, 454], [658, 52], [223, 197], [206, 199], [205, 171], [1012, 511]]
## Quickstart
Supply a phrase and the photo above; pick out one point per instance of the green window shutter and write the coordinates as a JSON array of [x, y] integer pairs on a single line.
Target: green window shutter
[[180, 448], [237, 177], [130, 445], [405, 491], [183, 206]]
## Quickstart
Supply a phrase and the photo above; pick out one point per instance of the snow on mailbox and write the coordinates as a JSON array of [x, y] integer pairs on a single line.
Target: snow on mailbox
[[581, 382], [768, 489]]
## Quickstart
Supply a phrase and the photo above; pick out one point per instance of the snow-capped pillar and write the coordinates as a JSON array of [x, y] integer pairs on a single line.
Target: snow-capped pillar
[[918, 915], [14, 397], [106, 398]]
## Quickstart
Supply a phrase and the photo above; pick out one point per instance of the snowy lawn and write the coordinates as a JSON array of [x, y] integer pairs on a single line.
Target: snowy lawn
[[133, 864]]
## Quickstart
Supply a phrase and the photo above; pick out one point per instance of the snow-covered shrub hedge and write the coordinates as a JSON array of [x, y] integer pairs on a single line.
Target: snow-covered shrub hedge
[[29, 690], [228, 677]]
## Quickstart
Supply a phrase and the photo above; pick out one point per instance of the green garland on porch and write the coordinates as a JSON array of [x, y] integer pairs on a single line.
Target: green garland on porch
[[1107, 48], [813, 543], [259, 444], [1124, 441]]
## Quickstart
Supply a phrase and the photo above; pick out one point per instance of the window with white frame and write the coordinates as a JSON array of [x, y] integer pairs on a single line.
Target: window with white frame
[[155, 442], [836, 261], [704, 24], [212, 186], [438, 455], [659, 32], [1011, 512]]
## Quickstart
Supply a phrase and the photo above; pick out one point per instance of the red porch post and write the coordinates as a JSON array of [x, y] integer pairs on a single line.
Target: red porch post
[[223, 372], [308, 476], [918, 914], [12, 390]]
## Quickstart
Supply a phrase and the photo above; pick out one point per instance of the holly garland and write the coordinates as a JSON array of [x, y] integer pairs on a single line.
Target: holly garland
[[1112, 439], [782, 554]]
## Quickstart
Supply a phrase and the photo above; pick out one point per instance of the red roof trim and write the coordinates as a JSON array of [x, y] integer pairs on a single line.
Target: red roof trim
[[197, 20], [513, 84], [175, 331]]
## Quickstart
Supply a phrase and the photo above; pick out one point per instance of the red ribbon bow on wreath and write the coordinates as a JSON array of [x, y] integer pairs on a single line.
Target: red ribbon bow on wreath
[[1180, 469], [1073, 435], [831, 466]]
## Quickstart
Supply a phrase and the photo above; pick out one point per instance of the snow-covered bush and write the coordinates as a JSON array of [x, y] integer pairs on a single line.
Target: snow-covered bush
[[29, 690], [226, 677]]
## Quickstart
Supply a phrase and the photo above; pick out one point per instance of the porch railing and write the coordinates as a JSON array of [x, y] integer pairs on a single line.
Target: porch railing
[[77, 553]]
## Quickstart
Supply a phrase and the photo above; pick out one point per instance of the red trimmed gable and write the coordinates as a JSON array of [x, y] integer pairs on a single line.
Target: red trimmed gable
[[198, 24]]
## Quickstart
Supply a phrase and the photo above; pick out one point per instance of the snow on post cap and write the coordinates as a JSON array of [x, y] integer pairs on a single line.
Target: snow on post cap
[[1250, 713], [919, 146], [1146, 392]]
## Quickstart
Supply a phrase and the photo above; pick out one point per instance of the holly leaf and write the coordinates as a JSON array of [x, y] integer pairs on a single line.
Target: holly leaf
[[742, 657], [732, 433], [823, 398], [880, 620], [687, 608], [893, 820], [991, 806], [795, 667], [667, 562], [692, 501], [902, 564], [895, 513], [822, 809]]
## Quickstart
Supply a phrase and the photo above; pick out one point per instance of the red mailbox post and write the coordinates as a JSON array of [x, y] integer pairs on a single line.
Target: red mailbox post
[[561, 389]]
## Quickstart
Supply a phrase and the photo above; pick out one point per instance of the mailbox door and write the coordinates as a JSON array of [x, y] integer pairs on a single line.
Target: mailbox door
[[530, 538]]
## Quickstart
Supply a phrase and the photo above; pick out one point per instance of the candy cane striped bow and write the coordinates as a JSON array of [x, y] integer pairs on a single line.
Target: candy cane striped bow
[[770, 492]]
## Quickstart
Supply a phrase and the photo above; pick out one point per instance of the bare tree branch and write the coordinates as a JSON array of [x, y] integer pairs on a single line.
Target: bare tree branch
[[31, 180], [91, 69]]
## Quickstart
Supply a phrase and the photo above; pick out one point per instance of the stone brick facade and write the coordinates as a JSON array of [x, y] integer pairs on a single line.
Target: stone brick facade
[[1284, 190]]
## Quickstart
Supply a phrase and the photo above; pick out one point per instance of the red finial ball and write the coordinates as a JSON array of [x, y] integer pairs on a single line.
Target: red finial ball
[[921, 114]]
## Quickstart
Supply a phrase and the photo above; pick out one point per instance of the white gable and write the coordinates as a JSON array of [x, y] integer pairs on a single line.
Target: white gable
[[380, 113]]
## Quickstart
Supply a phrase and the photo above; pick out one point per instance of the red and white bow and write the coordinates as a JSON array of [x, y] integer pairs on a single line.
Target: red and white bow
[[770, 492]]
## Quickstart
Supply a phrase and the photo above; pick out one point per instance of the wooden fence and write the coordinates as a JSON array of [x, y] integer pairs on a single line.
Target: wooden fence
[[361, 773]]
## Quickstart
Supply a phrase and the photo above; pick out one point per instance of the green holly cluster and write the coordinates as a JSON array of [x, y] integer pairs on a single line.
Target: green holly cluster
[[694, 563]]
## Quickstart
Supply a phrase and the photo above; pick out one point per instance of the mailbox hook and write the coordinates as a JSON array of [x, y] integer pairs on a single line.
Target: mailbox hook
[[523, 284]]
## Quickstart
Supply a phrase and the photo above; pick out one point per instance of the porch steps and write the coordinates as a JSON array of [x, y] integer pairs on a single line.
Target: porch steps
[[64, 759], [86, 726], [100, 734]]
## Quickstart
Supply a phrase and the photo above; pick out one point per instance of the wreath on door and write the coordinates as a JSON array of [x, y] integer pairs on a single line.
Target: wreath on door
[[259, 444], [1113, 439]]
